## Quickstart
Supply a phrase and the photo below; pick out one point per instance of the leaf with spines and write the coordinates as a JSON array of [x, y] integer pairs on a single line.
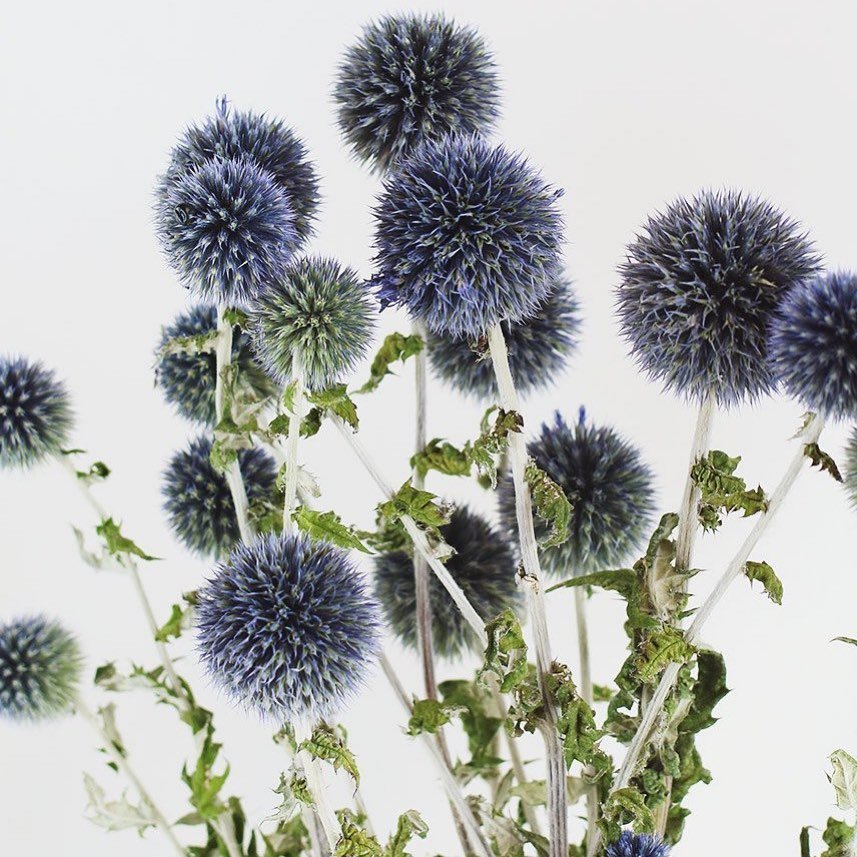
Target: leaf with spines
[[442, 457], [409, 825], [506, 651], [119, 546], [395, 347], [181, 619], [332, 400], [419, 505], [625, 806], [428, 715], [327, 745], [822, 460], [721, 492], [763, 572], [355, 841], [327, 527], [662, 647], [549, 503], [116, 814]]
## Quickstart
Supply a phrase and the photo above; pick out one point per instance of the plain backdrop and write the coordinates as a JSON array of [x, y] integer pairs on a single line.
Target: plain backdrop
[[625, 105]]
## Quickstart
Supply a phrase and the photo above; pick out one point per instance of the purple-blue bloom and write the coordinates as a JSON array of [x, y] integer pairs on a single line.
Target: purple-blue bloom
[[286, 627], [813, 344], [467, 235], [637, 845], [227, 228], [539, 348], [198, 502], [35, 413], [411, 78], [699, 288], [609, 487], [483, 565]]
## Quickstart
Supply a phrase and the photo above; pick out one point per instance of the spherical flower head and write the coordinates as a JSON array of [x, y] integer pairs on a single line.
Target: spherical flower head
[[198, 502], [227, 228], [40, 666], [188, 380], [411, 78], [637, 845], [483, 565], [608, 485], [35, 413], [255, 137], [467, 235], [318, 310], [539, 348], [287, 628], [699, 289], [813, 344]]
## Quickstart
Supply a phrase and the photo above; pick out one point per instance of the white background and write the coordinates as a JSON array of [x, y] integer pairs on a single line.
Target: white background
[[625, 105]]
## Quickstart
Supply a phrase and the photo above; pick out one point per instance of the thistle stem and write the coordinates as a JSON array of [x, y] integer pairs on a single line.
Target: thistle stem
[[225, 830], [557, 797], [317, 788], [291, 462], [580, 599], [450, 784], [120, 759], [734, 570], [223, 357]]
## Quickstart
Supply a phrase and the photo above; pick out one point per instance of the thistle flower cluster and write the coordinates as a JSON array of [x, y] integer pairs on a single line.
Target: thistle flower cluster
[[483, 565], [40, 666], [412, 78], [637, 845], [700, 288]]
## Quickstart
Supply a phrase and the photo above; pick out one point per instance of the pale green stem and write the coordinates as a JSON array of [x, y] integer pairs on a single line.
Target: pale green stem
[[317, 788], [291, 461]]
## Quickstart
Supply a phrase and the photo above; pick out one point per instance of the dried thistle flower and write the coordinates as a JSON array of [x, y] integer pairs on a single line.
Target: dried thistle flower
[[637, 845]]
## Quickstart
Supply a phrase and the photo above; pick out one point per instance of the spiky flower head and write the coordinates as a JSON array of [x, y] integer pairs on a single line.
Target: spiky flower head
[[813, 344], [699, 288], [40, 666], [286, 627], [319, 310], [227, 228], [198, 502], [467, 234], [411, 78], [637, 845], [539, 348], [608, 485], [483, 565], [35, 413], [255, 137], [188, 379]]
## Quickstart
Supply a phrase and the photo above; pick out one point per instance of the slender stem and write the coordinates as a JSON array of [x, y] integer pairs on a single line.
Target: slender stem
[[580, 598], [450, 784], [734, 570], [291, 462], [532, 579], [226, 831], [317, 788], [120, 759], [417, 536], [223, 357]]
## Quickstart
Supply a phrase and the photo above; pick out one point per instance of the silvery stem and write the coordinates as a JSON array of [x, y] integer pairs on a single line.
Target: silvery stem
[[291, 462], [532, 579], [223, 357], [587, 695], [317, 788]]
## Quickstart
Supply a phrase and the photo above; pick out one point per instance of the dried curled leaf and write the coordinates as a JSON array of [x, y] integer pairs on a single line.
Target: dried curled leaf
[[721, 492], [822, 460], [395, 347], [763, 572], [326, 745]]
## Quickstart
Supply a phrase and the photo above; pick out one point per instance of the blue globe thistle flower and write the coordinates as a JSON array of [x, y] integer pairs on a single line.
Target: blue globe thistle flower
[[813, 344], [483, 565], [287, 628], [637, 845], [467, 235], [320, 309], [539, 348], [699, 288], [267, 142], [188, 380], [851, 468], [197, 499], [40, 666], [35, 413], [412, 78], [227, 228], [608, 485]]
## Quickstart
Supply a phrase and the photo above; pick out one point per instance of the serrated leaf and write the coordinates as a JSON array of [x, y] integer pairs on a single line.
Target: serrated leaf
[[181, 619], [326, 745], [549, 503], [197, 343], [117, 544], [478, 717], [395, 347], [625, 806], [662, 647], [118, 814], [356, 842], [492, 443], [506, 651], [822, 460], [442, 457], [763, 572], [428, 715], [409, 825], [844, 779], [327, 527], [721, 492], [334, 400]]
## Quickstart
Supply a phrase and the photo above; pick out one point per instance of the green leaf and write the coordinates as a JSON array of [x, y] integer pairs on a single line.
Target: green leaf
[[199, 343], [327, 527], [417, 504], [625, 806], [723, 492], [410, 824], [838, 837], [804, 842], [506, 651], [118, 545], [443, 457], [550, 504], [492, 443], [762, 572], [429, 715], [326, 745], [98, 472], [822, 460], [356, 842], [181, 618], [844, 779], [236, 317], [662, 647], [478, 717], [850, 640], [395, 347], [333, 400]]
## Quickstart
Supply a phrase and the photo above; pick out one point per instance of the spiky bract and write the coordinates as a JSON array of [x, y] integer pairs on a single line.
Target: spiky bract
[[467, 235], [699, 288], [286, 627], [637, 845], [40, 666], [411, 78], [319, 310], [813, 344], [483, 565], [198, 502], [265, 141], [539, 348], [35, 413], [608, 485], [188, 379], [227, 228]]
